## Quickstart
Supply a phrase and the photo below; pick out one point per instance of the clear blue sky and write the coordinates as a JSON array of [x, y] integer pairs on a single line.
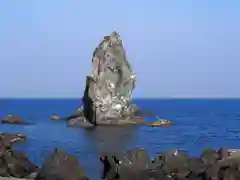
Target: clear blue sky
[[181, 48]]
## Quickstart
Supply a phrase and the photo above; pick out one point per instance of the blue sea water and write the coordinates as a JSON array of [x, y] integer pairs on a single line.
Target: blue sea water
[[199, 123]]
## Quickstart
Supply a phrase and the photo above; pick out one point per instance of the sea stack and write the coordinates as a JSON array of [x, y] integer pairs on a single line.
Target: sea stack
[[108, 89], [107, 98]]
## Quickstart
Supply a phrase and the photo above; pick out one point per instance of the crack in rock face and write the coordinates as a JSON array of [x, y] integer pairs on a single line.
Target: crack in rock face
[[108, 91]]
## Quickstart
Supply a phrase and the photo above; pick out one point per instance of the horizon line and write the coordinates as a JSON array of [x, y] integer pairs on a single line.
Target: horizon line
[[74, 98]]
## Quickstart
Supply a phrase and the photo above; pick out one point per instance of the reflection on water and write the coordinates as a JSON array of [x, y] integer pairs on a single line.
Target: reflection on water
[[104, 139], [114, 139]]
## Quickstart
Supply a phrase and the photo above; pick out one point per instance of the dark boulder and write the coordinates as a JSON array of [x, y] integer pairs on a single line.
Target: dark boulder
[[176, 163], [13, 163], [134, 165], [3, 168], [110, 165], [61, 166], [137, 158], [230, 173], [173, 165], [223, 153], [19, 165], [127, 173], [158, 161], [196, 165]]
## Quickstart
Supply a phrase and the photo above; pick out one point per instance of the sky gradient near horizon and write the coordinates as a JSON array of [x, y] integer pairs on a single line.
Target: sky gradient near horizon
[[177, 48]]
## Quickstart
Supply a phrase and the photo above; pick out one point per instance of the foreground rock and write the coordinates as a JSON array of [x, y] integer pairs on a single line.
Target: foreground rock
[[134, 164], [13, 163], [175, 165], [7, 140], [13, 119], [61, 166], [16, 165]]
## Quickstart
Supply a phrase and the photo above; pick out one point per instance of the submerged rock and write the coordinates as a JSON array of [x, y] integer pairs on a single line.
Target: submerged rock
[[78, 113], [77, 119]]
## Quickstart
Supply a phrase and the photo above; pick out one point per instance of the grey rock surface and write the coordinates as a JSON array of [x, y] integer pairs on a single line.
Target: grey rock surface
[[61, 165], [31, 177], [107, 97], [13, 178]]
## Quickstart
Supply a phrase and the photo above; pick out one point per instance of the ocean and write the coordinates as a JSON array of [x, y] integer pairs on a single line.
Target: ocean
[[199, 123]]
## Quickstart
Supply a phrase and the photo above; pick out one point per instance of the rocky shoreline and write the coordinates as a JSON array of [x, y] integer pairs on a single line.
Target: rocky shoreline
[[134, 164]]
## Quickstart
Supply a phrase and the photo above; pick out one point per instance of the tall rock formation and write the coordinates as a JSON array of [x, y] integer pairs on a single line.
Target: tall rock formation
[[108, 91]]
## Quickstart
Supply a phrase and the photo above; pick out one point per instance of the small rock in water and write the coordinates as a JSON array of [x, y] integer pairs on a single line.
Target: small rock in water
[[12, 119]]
